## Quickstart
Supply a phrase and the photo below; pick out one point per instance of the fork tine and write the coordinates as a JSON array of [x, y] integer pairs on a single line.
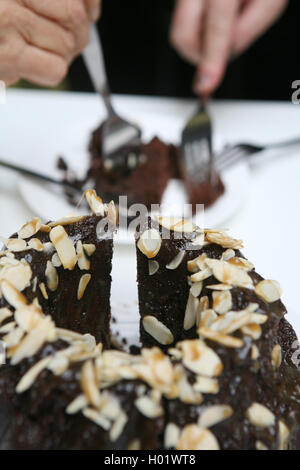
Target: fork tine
[[230, 158]]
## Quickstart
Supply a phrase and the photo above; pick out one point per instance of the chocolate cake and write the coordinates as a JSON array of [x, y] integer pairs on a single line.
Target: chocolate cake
[[215, 370], [65, 267], [145, 174]]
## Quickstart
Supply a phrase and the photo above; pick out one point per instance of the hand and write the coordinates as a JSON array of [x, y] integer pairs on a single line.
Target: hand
[[209, 32], [40, 38]]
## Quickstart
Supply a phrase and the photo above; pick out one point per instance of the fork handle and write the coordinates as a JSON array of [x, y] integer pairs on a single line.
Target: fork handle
[[94, 61], [34, 174], [284, 143]]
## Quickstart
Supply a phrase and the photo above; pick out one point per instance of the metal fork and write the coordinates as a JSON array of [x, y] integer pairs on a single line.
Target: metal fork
[[232, 154], [196, 145], [117, 132]]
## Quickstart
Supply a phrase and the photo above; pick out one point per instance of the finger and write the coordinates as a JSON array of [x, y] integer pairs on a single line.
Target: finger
[[218, 32], [94, 9], [70, 13], [41, 67], [255, 19], [43, 33], [185, 33]]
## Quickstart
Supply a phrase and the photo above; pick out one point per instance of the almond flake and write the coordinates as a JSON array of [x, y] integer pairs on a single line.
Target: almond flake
[[260, 416], [153, 267], [12, 295], [270, 291], [201, 359], [95, 202], [190, 312], [84, 280], [225, 340], [176, 262], [224, 240], [51, 277], [205, 318], [284, 435], [16, 244], [172, 434], [112, 214], [260, 446], [64, 247], [56, 261], [176, 224], [89, 384], [219, 287], [36, 244], [222, 301], [83, 262], [157, 330], [253, 330], [43, 290], [254, 352], [213, 415], [196, 289], [97, 418], [135, 445], [228, 254], [193, 437], [29, 378], [78, 404], [148, 407], [30, 229], [4, 314], [201, 275], [206, 385], [241, 263], [149, 243], [118, 426], [226, 273], [66, 221], [89, 248], [276, 356]]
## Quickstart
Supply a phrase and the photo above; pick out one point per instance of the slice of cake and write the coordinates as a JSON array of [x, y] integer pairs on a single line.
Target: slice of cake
[[65, 267]]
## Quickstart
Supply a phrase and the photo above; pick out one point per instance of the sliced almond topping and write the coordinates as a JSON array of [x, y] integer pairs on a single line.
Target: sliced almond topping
[[225, 340], [64, 247], [201, 275], [89, 248], [206, 385], [222, 301], [226, 273], [48, 247], [219, 287], [112, 214], [12, 295], [29, 378], [153, 267], [213, 415], [276, 356], [56, 261], [30, 229], [16, 244], [95, 202], [190, 312], [148, 407], [228, 254], [270, 291], [78, 404], [253, 330], [43, 290], [157, 330], [200, 359], [205, 318], [176, 224], [66, 221], [260, 416], [84, 280], [83, 262], [284, 435], [196, 289], [13, 337], [19, 275], [241, 263], [135, 445], [176, 262], [89, 384], [224, 240], [198, 263], [149, 243], [195, 438], [118, 426], [4, 314], [51, 276], [172, 433], [36, 244], [97, 418]]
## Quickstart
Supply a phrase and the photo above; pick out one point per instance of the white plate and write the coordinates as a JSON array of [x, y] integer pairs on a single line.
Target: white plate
[[71, 140]]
